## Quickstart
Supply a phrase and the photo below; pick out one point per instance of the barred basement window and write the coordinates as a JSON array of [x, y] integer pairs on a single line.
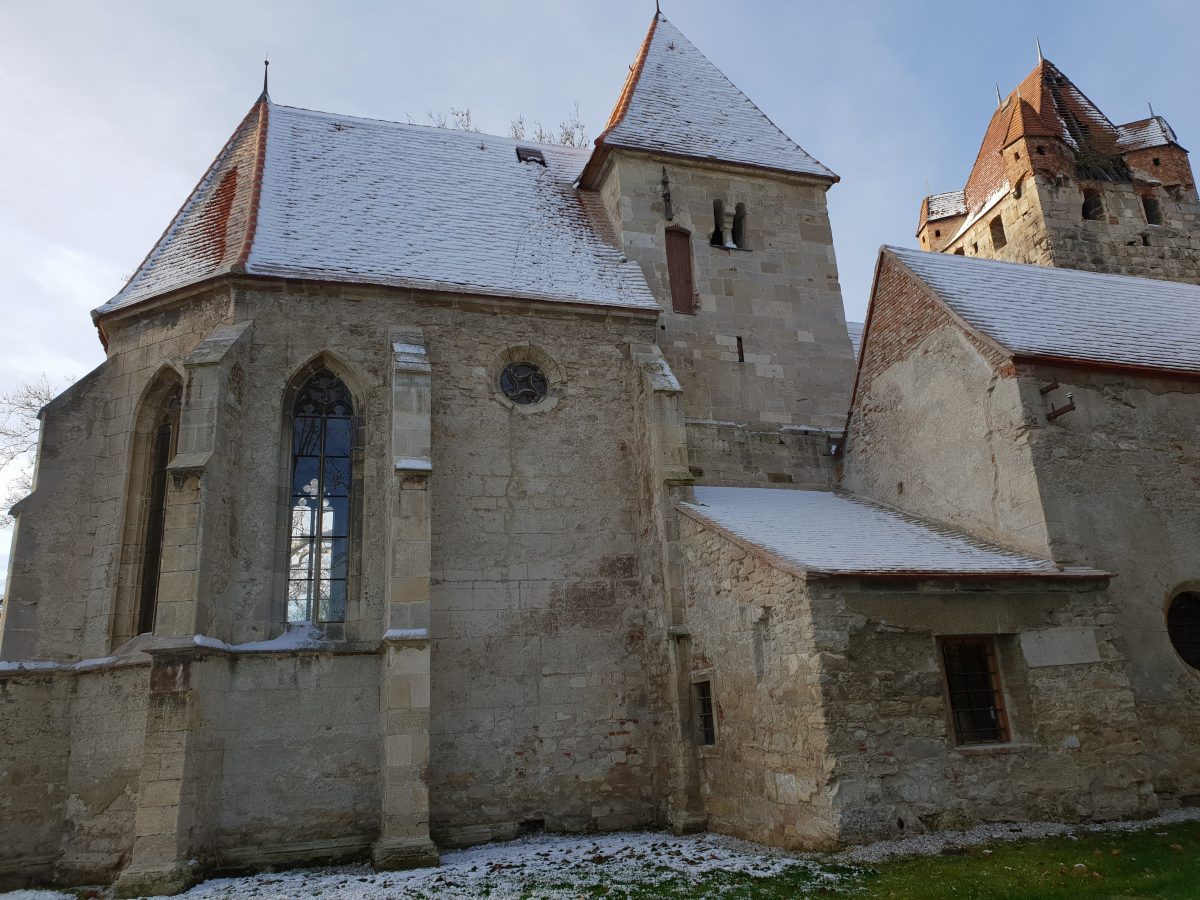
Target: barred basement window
[[1183, 627], [706, 726], [321, 486], [973, 683], [1093, 206], [999, 241]]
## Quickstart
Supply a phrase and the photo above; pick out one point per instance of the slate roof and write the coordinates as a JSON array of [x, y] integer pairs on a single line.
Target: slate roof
[[678, 103], [822, 532], [1111, 320], [312, 195]]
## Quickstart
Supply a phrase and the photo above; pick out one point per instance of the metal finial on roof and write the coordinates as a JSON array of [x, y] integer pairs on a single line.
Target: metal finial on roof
[[999, 102], [1151, 105], [266, 66], [1039, 48]]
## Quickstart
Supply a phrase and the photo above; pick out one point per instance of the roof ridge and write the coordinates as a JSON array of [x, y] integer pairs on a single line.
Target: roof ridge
[[431, 129], [260, 160], [635, 73]]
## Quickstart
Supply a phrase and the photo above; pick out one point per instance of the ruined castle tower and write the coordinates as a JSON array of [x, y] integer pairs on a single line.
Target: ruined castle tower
[[1056, 183]]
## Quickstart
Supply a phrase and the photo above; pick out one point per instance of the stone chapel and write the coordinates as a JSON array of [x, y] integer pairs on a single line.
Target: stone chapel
[[575, 509]]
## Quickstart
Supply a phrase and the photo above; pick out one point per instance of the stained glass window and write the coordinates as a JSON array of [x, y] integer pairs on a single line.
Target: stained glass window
[[319, 539]]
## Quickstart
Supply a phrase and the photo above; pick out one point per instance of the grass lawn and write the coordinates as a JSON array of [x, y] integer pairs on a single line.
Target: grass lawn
[[1157, 862]]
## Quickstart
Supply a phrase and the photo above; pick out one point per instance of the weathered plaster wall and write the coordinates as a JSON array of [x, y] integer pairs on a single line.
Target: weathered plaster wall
[[754, 639], [781, 296], [300, 739], [1117, 476], [537, 611], [936, 428], [70, 754], [35, 729]]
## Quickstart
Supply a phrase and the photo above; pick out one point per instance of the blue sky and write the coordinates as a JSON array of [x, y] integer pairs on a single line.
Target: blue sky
[[111, 111]]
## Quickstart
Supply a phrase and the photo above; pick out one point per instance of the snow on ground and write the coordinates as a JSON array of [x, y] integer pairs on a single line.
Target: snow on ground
[[562, 866]]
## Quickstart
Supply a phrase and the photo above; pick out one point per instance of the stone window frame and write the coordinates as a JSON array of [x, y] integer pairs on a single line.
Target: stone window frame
[[324, 361], [556, 382], [1150, 201], [166, 383], [1100, 212], [1001, 704], [996, 229]]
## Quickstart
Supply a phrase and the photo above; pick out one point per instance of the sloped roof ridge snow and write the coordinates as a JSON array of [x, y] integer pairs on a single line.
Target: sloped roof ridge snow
[[837, 533], [1066, 313], [351, 199], [678, 103]]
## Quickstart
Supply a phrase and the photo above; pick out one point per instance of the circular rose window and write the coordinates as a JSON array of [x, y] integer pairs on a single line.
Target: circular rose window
[[1183, 626], [523, 383]]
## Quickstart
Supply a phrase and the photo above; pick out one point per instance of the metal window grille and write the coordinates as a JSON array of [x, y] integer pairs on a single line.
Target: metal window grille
[[973, 682], [706, 728]]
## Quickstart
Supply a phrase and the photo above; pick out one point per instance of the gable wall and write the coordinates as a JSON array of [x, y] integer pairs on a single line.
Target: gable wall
[[936, 427]]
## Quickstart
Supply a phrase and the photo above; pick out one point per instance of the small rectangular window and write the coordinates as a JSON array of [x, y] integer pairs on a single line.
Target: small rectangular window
[[706, 728], [741, 351], [973, 683], [679, 271]]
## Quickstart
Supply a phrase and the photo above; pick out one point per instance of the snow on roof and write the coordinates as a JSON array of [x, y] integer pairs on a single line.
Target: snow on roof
[[1146, 133], [950, 203], [855, 330], [823, 532], [677, 102], [1064, 313], [302, 194]]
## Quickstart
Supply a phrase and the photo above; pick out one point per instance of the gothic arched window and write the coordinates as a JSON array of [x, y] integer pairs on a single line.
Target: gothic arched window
[[161, 449], [320, 505]]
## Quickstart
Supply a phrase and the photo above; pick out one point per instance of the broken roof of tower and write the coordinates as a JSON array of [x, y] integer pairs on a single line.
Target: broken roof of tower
[[1064, 314], [827, 533], [310, 195], [1048, 104], [677, 103]]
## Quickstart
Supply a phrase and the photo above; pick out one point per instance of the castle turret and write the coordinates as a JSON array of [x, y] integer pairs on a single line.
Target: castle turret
[[1057, 183]]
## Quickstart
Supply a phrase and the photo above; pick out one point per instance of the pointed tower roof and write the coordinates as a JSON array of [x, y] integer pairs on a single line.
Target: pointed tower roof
[[677, 103]]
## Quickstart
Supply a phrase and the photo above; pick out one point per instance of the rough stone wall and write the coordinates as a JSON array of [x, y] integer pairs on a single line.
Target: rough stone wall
[[1022, 215], [67, 549], [1124, 243], [754, 639], [781, 296], [937, 428], [1076, 751], [1117, 476], [725, 453]]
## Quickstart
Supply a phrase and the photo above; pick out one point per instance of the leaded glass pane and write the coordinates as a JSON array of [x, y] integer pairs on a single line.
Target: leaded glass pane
[[322, 476]]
